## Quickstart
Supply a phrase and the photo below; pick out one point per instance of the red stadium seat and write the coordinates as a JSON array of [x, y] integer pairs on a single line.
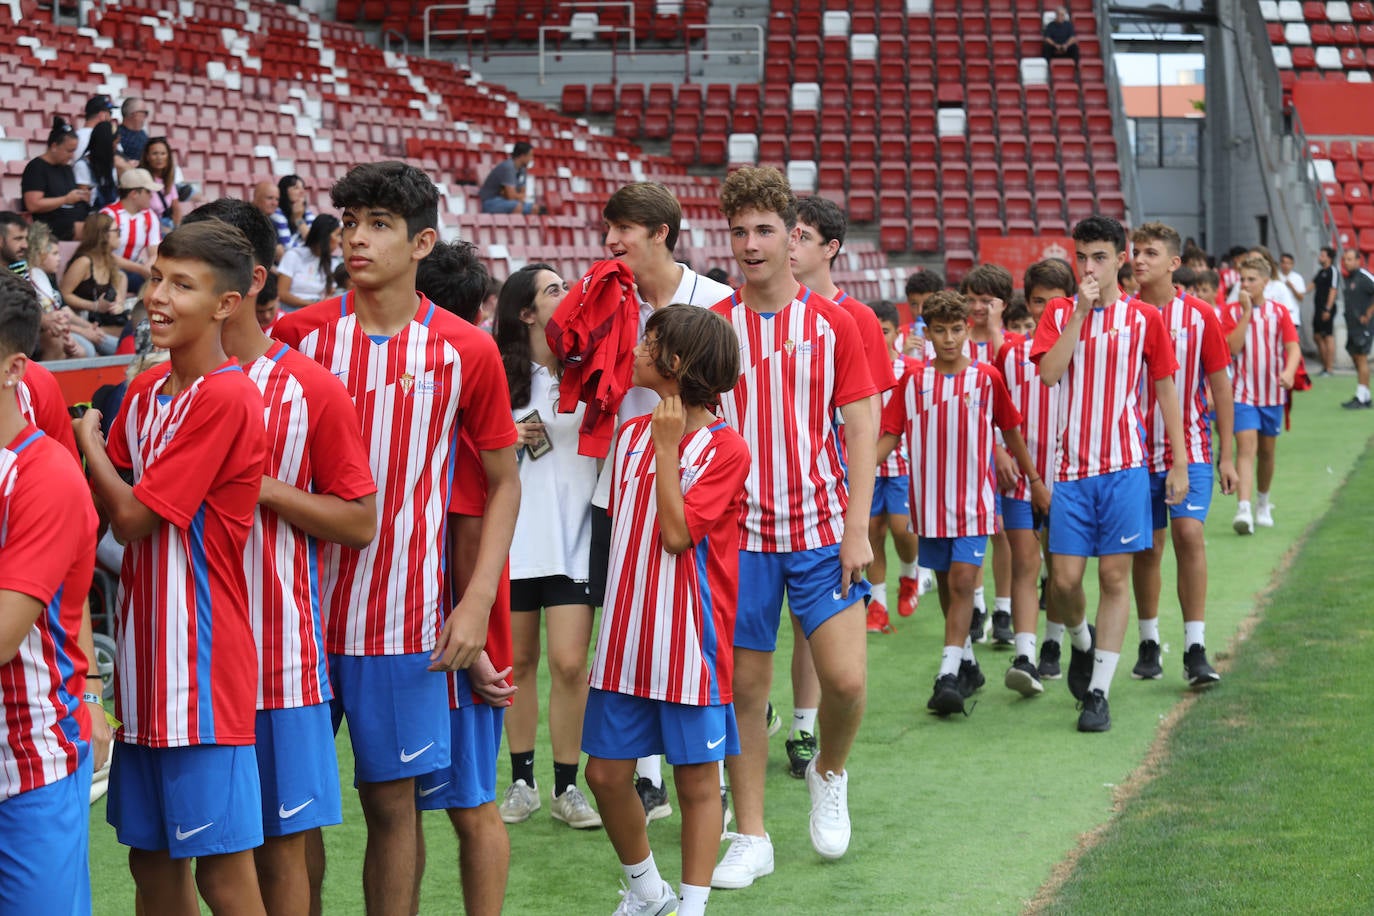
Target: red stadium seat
[[574, 99], [1362, 12], [1340, 151]]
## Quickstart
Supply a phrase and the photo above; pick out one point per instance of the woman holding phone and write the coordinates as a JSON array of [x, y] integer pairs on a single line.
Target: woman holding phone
[[549, 554]]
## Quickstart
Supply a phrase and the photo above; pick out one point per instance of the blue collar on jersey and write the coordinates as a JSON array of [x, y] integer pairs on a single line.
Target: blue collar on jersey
[[841, 297], [38, 433], [716, 426], [346, 304], [281, 351], [804, 295]]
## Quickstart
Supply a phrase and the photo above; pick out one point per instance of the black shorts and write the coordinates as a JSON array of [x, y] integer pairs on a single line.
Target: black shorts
[[1358, 337], [1323, 327], [546, 591], [600, 555]]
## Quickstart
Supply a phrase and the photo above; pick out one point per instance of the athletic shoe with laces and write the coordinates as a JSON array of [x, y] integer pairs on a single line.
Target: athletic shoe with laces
[[1094, 714], [1024, 678], [746, 859], [654, 798], [1049, 661], [521, 800], [971, 677], [1356, 404], [1003, 636], [1264, 515], [1081, 666], [1244, 522], [878, 620], [947, 698], [631, 904], [801, 750], [976, 631], [1147, 666], [572, 809], [908, 595], [1195, 667], [829, 811], [774, 720]]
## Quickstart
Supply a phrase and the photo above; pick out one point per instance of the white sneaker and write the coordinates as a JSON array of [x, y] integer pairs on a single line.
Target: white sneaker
[[520, 802], [1244, 522], [1264, 515], [747, 858], [631, 904], [927, 580], [829, 812], [572, 809]]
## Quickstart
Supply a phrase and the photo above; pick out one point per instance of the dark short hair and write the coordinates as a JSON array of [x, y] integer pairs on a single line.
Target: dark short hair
[[1185, 276], [707, 351], [648, 204], [269, 286], [454, 279], [945, 305], [1125, 272], [1016, 311], [1286, 254], [20, 315], [1207, 277], [924, 281], [9, 218], [827, 218], [1330, 251], [1099, 228], [762, 188], [246, 218], [987, 280], [719, 275], [396, 187], [520, 149], [1051, 273], [886, 311], [217, 245]]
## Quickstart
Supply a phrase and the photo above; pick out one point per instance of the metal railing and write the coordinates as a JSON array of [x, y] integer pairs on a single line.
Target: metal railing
[[1125, 154], [388, 34], [1307, 175], [568, 30], [432, 32], [734, 55]]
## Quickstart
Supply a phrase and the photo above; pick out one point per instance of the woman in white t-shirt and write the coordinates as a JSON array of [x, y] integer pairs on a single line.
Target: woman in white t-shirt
[[549, 553], [306, 274]]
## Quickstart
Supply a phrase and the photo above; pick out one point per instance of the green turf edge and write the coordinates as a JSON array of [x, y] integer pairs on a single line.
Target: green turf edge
[[1254, 801]]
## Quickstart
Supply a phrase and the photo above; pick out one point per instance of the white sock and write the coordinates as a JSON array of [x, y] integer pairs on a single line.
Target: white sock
[[1193, 633], [691, 900], [967, 654], [1081, 638], [803, 720], [1002, 604], [650, 768], [1025, 645], [1054, 632], [1104, 669], [1362, 392], [1243, 505], [908, 570], [1149, 629], [1262, 499], [979, 602], [644, 879], [949, 660], [720, 767]]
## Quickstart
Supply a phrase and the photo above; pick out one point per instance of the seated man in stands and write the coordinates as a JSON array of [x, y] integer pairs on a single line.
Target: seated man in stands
[[140, 231], [132, 137], [266, 196], [503, 191], [1060, 38]]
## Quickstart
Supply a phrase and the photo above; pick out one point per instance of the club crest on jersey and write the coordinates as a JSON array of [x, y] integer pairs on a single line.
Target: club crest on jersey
[[788, 346], [972, 401], [407, 383]]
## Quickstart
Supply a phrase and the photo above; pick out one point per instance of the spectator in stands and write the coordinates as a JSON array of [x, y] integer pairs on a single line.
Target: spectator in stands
[[93, 281], [55, 339], [503, 191], [1294, 285], [44, 263], [160, 162], [306, 274], [14, 243], [265, 198], [140, 231], [133, 139], [49, 184], [720, 275], [1060, 38], [293, 218], [98, 108], [100, 166]]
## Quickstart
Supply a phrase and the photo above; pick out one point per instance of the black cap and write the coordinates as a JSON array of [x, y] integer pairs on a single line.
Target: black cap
[[97, 104]]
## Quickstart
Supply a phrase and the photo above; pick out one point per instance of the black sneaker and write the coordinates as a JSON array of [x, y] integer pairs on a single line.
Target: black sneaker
[[1003, 637], [654, 798], [970, 677], [1147, 666], [975, 629], [1049, 661], [1081, 666], [1023, 677], [947, 698], [1094, 715], [1356, 404], [800, 752], [1196, 670]]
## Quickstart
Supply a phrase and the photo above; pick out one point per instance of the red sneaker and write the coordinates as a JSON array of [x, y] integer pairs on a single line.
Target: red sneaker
[[908, 594], [878, 621]]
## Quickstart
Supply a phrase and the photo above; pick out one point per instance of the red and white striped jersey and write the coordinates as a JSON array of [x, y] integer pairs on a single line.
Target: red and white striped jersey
[[1200, 349], [668, 626], [897, 463], [948, 422], [137, 231], [413, 393], [42, 403], [47, 552], [313, 444], [1038, 405], [1259, 364], [187, 669], [871, 337], [798, 366], [1099, 409]]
